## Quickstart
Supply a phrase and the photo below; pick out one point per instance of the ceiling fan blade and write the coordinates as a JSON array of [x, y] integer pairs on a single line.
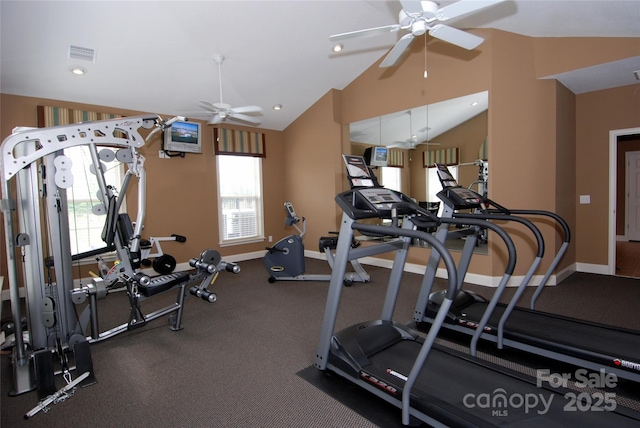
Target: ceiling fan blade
[[454, 36], [247, 109], [367, 32], [216, 119], [245, 118], [208, 106], [411, 6], [395, 53], [395, 144], [463, 7]]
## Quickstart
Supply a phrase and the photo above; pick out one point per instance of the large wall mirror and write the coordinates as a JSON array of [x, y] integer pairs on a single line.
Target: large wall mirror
[[452, 132]]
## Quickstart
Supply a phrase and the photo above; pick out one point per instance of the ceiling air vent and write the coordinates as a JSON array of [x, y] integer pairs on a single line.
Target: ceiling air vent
[[81, 53]]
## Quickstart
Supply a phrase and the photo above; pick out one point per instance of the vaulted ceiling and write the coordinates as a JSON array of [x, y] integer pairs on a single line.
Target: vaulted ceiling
[[157, 56]]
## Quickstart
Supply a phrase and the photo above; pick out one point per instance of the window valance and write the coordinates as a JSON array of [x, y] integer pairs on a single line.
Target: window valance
[[446, 156], [239, 143], [396, 158], [54, 116]]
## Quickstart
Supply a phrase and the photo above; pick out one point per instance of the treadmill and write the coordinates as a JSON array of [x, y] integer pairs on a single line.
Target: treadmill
[[580, 343], [427, 381]]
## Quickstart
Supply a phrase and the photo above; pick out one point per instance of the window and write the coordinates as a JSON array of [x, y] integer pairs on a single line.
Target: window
[[391, 178], [434, 186], [240, 199], [85, 227]]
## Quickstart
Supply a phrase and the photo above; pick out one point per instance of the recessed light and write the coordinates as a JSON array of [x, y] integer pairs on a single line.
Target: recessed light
[[338, 47], [78, 70], [473, 104], [277, 107]]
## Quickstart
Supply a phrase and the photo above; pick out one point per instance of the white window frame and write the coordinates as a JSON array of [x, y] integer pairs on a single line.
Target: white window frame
[[232, 218]]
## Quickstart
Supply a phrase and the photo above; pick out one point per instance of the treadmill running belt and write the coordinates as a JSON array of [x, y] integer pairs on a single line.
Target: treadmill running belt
[[582, 335], [450, 383]]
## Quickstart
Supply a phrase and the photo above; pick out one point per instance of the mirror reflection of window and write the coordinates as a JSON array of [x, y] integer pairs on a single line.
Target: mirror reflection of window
[[391, 178]]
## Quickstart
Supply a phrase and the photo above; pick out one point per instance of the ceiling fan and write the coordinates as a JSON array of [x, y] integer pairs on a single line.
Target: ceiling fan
[[419, 137], [222, 112], [421, 16]]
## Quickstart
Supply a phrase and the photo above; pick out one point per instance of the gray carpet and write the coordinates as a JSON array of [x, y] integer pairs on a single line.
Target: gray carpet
[[244, 361]]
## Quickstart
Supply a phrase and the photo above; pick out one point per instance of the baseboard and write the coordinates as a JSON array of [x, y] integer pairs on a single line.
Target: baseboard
[[592, 268], [471, 278]]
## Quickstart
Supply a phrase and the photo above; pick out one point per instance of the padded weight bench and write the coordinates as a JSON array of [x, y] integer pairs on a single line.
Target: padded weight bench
[[162, 283]]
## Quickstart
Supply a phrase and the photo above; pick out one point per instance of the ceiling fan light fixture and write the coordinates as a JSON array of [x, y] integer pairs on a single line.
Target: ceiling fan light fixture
[[338, 47], [418, 28]]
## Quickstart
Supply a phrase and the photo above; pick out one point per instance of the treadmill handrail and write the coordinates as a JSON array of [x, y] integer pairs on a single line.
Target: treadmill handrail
[[563, 248], [452, 272], [525, 281], [511, 249], [451, 292]]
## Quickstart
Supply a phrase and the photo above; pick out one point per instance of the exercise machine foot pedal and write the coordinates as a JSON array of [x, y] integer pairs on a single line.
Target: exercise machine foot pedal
[[84, 363], [45, 380]]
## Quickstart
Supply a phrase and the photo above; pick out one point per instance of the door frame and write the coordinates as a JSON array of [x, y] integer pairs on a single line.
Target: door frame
[[613, 167], [627, 183]]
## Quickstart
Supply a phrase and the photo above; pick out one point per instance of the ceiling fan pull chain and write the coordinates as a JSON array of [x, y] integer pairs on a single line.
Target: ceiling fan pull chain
[[425, 56]]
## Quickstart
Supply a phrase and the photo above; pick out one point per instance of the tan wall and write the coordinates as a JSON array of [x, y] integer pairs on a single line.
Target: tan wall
[[597, 113], [529, 128], [565, 170], [314, 168], [532, 123], [181, 192], [561, 54]]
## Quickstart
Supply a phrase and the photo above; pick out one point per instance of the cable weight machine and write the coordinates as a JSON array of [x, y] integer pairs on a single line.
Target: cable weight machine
[[35, 177]]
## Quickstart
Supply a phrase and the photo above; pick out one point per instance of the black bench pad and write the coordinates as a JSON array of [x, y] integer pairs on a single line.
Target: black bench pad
[[162, 283]]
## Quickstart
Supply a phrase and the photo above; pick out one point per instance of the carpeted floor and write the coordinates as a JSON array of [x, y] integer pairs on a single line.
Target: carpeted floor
[[244, 361]]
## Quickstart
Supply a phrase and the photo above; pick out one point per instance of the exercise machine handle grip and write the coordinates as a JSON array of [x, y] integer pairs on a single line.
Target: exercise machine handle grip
[[205, 294], [201, 265], [179, 238], [142, 279]]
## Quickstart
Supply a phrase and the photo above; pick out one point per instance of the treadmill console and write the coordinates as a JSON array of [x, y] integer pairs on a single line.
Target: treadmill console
[[373, 202], [455, 195], [461, 198], [367, 199]]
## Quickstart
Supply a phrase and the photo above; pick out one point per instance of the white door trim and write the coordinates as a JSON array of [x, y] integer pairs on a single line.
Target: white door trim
[[613, 167], [631, 205]]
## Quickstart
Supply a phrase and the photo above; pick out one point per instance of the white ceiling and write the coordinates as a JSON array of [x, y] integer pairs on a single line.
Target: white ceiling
[[157, 56]]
